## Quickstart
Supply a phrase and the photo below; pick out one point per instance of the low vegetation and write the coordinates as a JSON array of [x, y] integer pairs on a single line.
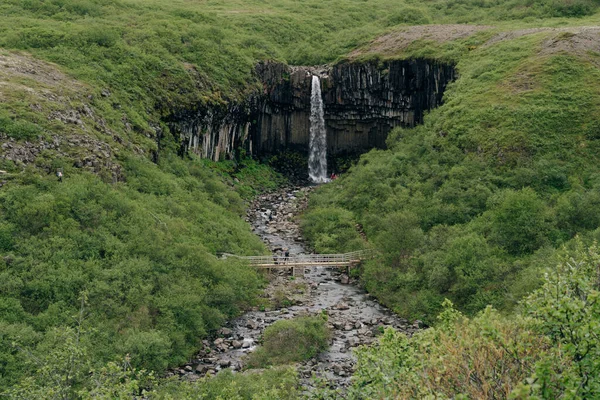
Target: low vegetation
[[470, 205], [289, 341], [142, 254], [275, 383], [548, 350]]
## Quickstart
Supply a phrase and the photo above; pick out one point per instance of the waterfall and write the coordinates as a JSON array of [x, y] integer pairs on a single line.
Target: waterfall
[[317, 159]]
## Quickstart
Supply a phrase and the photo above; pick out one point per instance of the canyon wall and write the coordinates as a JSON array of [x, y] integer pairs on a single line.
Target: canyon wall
[[363, 103]]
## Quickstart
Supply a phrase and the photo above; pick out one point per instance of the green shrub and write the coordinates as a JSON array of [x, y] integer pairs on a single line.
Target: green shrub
[[146, 260], [274, 383], [331, 230], [566, 309], [519, 221], [288, 341], [19, 129], [486, 357], [571, 8]]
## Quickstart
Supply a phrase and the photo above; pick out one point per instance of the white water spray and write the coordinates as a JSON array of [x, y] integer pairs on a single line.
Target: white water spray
[[317, 159]]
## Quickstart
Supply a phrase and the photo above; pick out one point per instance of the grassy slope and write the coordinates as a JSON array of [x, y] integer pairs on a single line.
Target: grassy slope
[[502, 173]]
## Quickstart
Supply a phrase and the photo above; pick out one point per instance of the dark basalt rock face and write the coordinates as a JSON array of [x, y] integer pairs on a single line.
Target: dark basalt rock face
[[363, 103]]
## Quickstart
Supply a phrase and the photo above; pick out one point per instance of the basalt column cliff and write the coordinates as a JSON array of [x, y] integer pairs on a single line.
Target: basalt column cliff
[[363, 103]]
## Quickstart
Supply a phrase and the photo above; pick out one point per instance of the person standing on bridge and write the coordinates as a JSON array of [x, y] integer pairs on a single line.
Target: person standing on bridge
[[286, 255]]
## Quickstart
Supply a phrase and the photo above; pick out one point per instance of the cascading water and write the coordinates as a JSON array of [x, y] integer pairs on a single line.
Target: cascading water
[[317, 159]]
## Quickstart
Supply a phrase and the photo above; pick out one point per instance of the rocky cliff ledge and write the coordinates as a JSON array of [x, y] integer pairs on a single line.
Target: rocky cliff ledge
[[363, 103]]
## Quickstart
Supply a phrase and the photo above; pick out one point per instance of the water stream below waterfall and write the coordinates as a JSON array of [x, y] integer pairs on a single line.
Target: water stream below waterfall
[[354, 317]]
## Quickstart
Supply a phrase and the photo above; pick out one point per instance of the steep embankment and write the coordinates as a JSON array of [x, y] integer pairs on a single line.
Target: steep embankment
[[469, 205], [124, 246]]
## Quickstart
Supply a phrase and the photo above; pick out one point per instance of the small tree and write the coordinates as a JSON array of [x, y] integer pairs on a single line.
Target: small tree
[[567, 309]]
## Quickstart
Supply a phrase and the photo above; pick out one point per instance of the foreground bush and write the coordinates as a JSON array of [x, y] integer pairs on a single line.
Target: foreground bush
[[143, 253], [549, 350], [68, 371], [275, 383], [483, 358], [290, 341]]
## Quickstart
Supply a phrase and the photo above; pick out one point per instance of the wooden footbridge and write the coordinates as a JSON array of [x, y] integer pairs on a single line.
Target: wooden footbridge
[[307, 260]]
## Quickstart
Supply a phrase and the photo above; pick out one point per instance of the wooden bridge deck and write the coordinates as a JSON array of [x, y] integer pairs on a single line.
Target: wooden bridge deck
[[307, 260]]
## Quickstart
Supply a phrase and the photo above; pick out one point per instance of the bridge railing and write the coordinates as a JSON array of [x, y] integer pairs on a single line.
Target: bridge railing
[[308, 259]]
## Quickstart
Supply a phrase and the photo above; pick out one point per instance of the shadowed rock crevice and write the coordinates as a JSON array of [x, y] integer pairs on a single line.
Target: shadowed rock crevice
[[363, 102]]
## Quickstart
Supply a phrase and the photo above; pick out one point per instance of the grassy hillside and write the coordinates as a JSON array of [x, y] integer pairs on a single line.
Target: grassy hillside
[[155, 55], [470, 204]]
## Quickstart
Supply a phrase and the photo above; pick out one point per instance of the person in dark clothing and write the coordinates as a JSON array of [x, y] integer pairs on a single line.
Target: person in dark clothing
[[286, 255]]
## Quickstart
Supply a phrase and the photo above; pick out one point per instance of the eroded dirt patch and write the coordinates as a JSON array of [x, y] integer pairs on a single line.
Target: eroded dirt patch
[[394, 42]]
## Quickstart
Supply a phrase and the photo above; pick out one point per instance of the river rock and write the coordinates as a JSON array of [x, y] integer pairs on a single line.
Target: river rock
[[202, 369], [252, 324], [237, 344], [225, 331]]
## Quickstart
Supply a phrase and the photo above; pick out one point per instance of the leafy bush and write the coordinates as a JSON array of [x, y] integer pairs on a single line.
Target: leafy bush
[[487, 357], [519, 221], [331, 230], [548, 349], [274, 383], [288, 341], [146, 260], [567, 310], [19, 129]]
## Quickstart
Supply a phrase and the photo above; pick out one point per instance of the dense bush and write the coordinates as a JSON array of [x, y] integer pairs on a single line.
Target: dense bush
[[67, 371], [548, 350], [274, 383], [143, 252], [288, 341]]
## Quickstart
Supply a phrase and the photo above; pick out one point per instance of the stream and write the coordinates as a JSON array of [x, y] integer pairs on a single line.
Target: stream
[[353, 316]]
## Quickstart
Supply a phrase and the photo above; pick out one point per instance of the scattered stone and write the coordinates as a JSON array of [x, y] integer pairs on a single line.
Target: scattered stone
[[252, 324], [354, 320], [225, 331]]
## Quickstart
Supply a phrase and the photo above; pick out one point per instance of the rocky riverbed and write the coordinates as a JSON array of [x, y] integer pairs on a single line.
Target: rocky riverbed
[[354, 318]]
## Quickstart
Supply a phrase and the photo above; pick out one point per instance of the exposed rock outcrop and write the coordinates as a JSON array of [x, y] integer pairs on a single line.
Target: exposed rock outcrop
[[363, 102]]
